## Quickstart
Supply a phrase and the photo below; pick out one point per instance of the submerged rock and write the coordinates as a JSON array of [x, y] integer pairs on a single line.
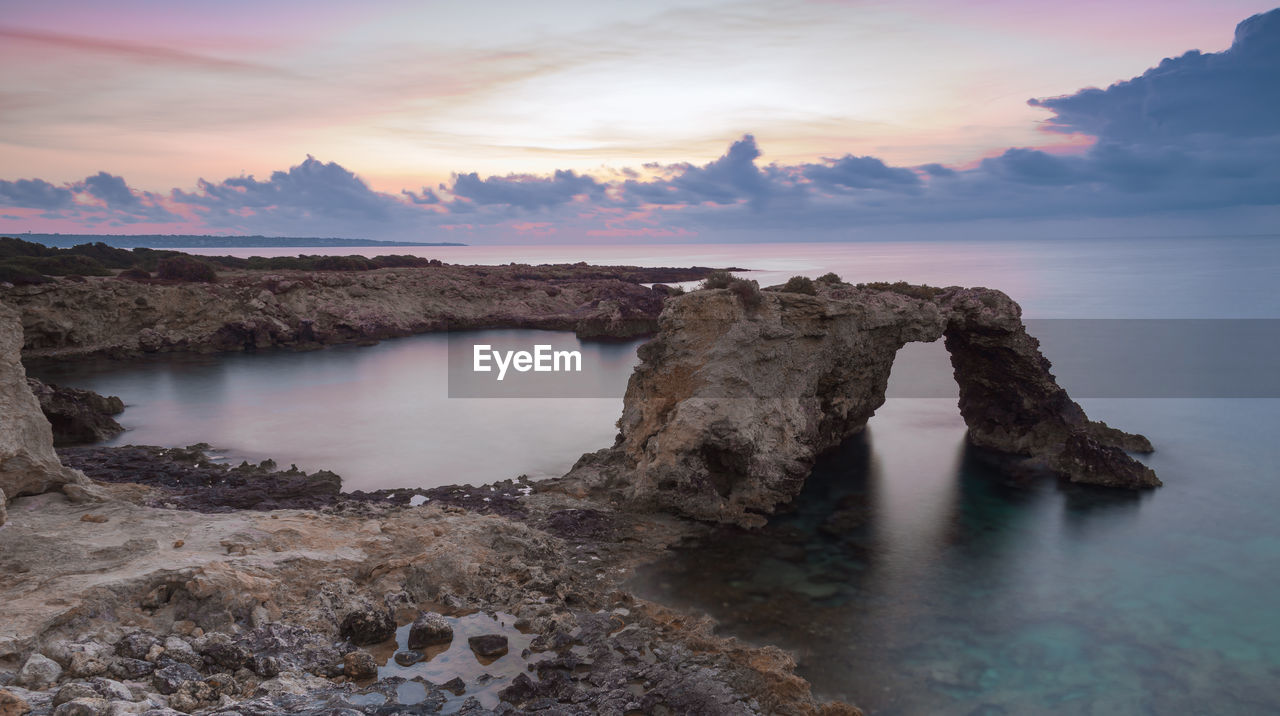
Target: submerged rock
[[733, 400], [488, 646]]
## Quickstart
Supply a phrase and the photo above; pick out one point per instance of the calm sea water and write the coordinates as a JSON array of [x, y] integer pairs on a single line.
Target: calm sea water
[[948, 589]]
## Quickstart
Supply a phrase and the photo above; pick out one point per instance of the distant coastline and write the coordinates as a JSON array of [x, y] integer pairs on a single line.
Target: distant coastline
[[191, 241]]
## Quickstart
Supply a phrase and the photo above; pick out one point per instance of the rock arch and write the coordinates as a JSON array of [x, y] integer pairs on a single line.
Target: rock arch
[[733, 401]]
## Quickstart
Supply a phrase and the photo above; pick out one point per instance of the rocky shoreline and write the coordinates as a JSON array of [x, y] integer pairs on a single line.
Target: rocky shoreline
[[156, 580], [121, 317]]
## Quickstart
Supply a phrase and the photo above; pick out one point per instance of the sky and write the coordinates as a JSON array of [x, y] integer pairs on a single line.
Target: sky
[[672, 120]]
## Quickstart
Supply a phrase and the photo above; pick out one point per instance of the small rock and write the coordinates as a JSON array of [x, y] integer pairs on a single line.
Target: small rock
[[83, 707], [179, 650], [155, 652], [368, 625], [135, 645], [429, 629], [131, 669], [111, 689], [168, 679], [221, 651], [177, 544], [455, 685], [488, 646], [267, 667], [259, 617], [10, 703], [359, 665], [408, 658], [84, 664], [74, 691], [38, 672], [95, 518]]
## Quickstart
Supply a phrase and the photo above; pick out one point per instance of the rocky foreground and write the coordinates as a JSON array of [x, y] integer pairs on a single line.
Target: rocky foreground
[[299, 310]]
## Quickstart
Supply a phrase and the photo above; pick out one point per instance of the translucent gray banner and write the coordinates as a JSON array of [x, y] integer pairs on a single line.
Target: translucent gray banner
[[1092, 358]]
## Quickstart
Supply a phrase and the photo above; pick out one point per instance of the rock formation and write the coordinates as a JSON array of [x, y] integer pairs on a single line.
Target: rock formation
[[734, 399], [77, 415], [28, 464], [299, 310]]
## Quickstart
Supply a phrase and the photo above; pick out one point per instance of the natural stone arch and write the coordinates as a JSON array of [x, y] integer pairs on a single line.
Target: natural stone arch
[[734, 400]]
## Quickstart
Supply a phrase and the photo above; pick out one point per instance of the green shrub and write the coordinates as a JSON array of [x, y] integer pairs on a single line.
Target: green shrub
[[831, 278], [800, 284], [920, 291], [718, 279], [19, 275], [747, 291], [62, 265], [186, 268], [134, 274]]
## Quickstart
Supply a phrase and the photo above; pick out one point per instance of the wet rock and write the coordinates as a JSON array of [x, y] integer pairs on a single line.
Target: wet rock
[[408, 657], [170, 677], [368, 625], [488, 646], [38, 672], [429, 629], [359, 665], [77, 415]]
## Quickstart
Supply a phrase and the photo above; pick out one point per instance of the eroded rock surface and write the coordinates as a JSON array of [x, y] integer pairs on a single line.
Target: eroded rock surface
[[298, 310], [77, 415], [734, 399], [28, 464]]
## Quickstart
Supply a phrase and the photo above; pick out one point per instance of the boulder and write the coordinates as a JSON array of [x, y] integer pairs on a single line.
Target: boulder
[[488, 646], [77, 415], [28, 464], [429, 629], [38, 672], [368, 625]]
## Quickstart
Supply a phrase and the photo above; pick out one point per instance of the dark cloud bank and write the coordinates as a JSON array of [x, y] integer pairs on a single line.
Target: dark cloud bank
[[1196, 132]]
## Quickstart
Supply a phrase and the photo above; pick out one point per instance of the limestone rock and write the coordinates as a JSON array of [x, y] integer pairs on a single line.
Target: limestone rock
[[359, 665], [429, 629], [368, 625], [39, 671], [488, 646], [77, 415], [733, 400], [11, 704], [28, 464]]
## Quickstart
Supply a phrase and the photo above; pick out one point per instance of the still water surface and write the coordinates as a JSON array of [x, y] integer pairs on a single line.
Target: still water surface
[[946, 588]]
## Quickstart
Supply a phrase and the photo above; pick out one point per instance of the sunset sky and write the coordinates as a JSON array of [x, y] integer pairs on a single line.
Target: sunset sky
[[598, 121]]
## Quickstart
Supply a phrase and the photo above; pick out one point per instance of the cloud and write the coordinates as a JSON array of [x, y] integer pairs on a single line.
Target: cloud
[[527, 192], [1195, 133], [34, 194], [1230, 93]]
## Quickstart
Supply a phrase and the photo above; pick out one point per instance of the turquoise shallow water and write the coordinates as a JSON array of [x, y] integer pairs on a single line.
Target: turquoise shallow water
[[946, 588]]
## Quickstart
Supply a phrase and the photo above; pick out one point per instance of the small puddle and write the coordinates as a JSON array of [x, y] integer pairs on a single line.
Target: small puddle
[[484, 678]]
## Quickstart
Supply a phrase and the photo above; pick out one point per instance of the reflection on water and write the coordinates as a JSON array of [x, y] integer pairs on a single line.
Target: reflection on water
[[379, 416], [912, 577]]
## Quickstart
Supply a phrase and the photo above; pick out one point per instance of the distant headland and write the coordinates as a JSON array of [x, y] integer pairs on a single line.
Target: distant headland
[[192, 241]]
